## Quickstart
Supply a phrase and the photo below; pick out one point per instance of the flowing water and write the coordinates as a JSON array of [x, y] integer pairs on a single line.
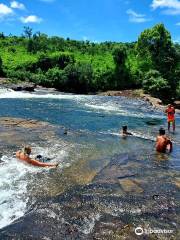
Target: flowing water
[[91, 154]]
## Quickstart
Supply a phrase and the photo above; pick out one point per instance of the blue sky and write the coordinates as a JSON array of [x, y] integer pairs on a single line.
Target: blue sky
[[94, 20]]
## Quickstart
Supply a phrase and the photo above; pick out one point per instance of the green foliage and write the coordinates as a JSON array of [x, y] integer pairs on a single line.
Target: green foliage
[[84, 66], [79, 77], [1, 70], [121, 75], [156, 85], [56, 78], [156, 51], [19, 75], [178, 91], [27, 32]]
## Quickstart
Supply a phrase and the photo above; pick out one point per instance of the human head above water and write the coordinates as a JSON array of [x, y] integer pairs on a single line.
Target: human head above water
[[162, 131], [27, 150], [124, 128], [170, 105]]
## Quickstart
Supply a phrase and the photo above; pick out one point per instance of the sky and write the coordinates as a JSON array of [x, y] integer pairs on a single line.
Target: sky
[[93, 20]]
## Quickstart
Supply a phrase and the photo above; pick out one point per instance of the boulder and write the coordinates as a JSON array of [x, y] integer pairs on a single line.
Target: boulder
[[177, 104], [130, 186], [21, 87]]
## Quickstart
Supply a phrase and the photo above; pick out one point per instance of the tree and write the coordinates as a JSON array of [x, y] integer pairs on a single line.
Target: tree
[[156, 51], [79, 77], [2, 36], [156, 85], [121, 74], [1, 70], [27, 32]]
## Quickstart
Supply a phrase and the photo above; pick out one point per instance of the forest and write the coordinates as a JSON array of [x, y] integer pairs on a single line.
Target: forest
[[151, 63]]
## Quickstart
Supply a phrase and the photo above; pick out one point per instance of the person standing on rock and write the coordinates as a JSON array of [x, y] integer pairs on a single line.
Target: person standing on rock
[[170, 116]]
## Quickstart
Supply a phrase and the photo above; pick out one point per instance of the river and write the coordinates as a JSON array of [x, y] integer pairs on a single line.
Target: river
[[104, 182]]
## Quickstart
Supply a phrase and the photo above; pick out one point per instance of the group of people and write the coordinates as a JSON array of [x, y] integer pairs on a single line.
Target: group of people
[[163, 142]]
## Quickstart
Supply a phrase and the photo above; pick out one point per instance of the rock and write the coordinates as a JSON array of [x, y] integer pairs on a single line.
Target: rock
[[21, 87], [152, 122], [177, 104], [17, 132], [177, 182], [18, 122], [130, 186]]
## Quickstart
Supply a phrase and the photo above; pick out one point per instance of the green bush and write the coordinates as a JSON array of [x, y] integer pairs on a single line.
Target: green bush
[[79, 77], [1, 70], [178, 92], [19, 75], [154, 84], [40, 79], [57, 77]]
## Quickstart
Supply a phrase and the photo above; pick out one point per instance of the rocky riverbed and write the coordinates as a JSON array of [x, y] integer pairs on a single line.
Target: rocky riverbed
[[114, 202], [105, 186], [108, 203]]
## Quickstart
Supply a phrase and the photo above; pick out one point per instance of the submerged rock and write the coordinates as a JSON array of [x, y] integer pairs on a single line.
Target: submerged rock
[[130, 186], [177, 182]]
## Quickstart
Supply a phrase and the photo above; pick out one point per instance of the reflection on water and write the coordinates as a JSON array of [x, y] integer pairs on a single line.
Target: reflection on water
[[103, 179]]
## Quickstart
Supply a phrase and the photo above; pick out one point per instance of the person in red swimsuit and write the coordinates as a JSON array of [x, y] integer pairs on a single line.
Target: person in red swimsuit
[[170, 116], [163, 143]]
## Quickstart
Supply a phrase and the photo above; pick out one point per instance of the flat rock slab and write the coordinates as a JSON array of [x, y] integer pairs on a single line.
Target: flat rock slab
[[15, 132], [18, 122], [177, 182], [130, 186]]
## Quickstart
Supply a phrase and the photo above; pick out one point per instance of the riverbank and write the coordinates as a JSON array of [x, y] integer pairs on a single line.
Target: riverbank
[[130, 93], [139, 94]]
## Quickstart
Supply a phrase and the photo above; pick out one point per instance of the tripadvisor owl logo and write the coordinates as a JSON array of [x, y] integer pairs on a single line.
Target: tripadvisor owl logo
[[139, 231]]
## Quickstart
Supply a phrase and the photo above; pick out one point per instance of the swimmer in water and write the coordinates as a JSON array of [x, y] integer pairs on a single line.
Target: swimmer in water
[[125, 132], [24, 155], [163, 143]]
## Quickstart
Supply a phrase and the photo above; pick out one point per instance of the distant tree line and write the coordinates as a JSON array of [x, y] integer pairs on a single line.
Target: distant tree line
[[151, 63]]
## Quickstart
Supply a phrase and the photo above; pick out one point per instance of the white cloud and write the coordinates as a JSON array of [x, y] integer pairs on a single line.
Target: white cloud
[[17, 5], [172, 7], [31, 19], [5, 11], [136, 17]]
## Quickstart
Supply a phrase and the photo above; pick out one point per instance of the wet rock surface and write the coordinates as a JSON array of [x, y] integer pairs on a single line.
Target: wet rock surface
[[17, 131], [29, 87], [117, 200]]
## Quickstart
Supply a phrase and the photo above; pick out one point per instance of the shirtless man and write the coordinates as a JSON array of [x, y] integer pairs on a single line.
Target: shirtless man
[[163, 143], [170, 116], [24, 155]]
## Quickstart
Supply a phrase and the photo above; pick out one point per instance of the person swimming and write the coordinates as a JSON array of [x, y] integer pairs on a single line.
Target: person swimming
[[125, 132], [163, 143], [24, 155]]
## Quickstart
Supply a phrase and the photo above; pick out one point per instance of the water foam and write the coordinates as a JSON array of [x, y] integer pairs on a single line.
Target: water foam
[[17, 177], [13, 189], [113, 108], [8, 93]]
